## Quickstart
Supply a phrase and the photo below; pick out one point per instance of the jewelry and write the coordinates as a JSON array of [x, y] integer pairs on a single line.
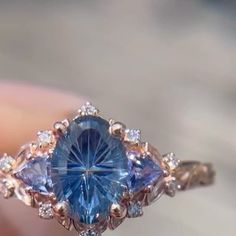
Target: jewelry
[[90, 174]]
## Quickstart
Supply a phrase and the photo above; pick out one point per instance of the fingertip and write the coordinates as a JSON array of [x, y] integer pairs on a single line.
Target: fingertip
[[25, 109]]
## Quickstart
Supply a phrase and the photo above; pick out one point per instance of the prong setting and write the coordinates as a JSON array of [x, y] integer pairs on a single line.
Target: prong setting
[[45, 138], [133, 136], [7, 163], [171, 161], [61, 210], [60, 127], [118, 211], [117, 129], [141, 161], [88, 110]]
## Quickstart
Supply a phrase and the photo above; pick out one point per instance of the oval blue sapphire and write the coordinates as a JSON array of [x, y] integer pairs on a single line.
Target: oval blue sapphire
[[89, 169]]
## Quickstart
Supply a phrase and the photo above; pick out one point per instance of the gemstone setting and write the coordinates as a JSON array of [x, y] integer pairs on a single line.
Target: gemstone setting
[[88, 173], [89, 169]]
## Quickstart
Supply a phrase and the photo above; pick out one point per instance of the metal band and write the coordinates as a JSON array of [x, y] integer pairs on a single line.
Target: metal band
[[190, 174]]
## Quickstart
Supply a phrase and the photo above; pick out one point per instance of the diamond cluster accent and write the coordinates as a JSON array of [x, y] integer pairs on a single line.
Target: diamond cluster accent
[[89, 233], [132, 135], [46, 211], [88, 110], [6, 163], [171, 161]]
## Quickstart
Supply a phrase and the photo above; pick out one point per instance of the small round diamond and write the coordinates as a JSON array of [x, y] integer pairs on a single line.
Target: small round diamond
[[88, 109], [45, 137], [133, 135], [46, 211], [6, 188], [171, 161], [89, 233], [6, 163]]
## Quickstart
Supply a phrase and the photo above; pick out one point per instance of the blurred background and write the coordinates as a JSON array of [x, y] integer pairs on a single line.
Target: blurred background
[[164, 66]]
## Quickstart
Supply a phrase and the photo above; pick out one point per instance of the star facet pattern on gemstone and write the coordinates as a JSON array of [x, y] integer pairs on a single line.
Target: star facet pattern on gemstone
[[89, 169]]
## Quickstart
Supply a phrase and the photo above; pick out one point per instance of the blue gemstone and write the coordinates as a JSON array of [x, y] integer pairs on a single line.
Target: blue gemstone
[[143, 172], [135, 210], [89, 169], [89, 233], [36, 174]]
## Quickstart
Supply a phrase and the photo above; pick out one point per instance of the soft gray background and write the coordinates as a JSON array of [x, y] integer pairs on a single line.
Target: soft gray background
[[165, 66]]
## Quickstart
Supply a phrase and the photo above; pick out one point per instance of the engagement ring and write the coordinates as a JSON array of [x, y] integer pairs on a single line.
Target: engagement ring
[[90, 174]]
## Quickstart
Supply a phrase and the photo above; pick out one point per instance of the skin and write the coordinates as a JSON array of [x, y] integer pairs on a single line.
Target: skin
[[24, 110]]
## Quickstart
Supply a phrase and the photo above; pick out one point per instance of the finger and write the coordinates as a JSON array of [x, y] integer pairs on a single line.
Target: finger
[[25, 109]]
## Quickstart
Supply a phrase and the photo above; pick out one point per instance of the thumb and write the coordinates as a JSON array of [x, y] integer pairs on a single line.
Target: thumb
[[25, 109]]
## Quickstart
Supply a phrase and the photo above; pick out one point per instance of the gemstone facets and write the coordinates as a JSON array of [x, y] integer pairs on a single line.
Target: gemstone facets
[[6, 163], [45, 211], [89, 169], [36, 174], [135, 210], [143, 171], [132, 135]]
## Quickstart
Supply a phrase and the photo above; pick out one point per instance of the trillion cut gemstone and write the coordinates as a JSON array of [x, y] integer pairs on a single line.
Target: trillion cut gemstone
[[143, 171], [89, 169], [36, 174]]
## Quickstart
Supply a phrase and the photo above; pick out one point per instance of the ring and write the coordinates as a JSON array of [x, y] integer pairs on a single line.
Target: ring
[[91, 174]]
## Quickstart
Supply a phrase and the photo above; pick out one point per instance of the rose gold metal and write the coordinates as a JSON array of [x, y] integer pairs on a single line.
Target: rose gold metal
[[66, 223], [117, 129], [61, 126], [10, 188], [61, 210], [153, 152], [180, 176], [49, 144], [33, 148], [118, 211], [190, 174]]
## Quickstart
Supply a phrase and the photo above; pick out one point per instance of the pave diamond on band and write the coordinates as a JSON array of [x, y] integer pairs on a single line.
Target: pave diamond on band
[[90, 173]]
